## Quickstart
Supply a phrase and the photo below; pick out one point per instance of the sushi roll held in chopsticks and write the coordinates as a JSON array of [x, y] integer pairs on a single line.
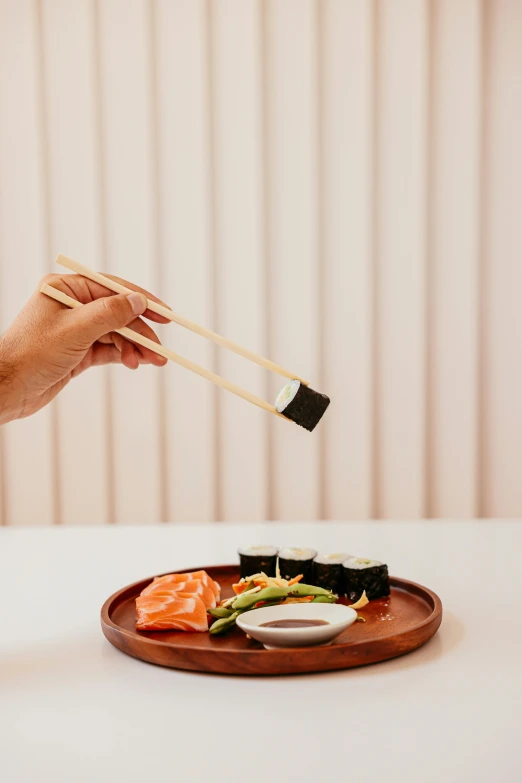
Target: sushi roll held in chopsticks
[[257, 560], [328, 571], [362, 575], [301, 404], [294, 561]]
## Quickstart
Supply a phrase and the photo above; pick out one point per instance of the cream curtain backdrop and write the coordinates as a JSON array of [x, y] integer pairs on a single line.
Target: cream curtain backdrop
[[333, 183]]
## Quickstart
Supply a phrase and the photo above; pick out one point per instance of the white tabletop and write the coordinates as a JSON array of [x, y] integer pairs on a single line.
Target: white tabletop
[[75, 710]]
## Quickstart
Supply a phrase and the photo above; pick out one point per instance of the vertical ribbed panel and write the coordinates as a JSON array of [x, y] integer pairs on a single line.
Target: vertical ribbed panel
[[28, 467], [400, 286], [292, 161], [332, 183], [75, 219], [240, 294], [453, 282], [181, 36], [502, 312], [346, 262], [126, 66]]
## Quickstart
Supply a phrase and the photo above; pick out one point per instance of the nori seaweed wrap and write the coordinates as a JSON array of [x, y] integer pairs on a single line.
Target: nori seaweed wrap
[[256, 560], [294, 561], [328, 572], [360, 575], [301, 404]]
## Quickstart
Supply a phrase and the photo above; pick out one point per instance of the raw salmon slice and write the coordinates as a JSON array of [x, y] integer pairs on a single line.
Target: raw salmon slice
[[176, 612], [206, 579], [194, 586], [172, 579]]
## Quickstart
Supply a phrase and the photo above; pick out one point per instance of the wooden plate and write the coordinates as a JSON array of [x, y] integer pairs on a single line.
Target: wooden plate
[[394, 626]]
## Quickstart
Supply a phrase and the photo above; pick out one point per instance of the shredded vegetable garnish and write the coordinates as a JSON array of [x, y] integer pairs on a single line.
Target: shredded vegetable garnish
[[259, 590], [260, 581], [363, 600], [229, 601], [299, 599]]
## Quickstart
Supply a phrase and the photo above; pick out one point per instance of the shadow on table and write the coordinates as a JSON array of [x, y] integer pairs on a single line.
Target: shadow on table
[[448, 638], [46, 661], [70, 657]]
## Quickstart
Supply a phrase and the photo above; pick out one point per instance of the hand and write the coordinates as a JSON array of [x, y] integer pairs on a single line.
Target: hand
[[48, 344]]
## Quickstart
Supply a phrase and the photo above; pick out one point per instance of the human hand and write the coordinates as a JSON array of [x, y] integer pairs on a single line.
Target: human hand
[[48, 344]]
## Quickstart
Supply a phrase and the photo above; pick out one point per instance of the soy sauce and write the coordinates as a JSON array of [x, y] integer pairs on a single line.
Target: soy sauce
[[293, 623]]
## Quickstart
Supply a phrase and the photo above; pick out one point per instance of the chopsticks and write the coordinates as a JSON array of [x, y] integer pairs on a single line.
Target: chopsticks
[[130, 334], [118, 288]]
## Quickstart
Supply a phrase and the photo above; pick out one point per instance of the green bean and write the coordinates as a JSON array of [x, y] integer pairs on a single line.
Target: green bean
[[268, 594], [300, 589], [266, 604], [324, 599], [223, 625], [220, 611]]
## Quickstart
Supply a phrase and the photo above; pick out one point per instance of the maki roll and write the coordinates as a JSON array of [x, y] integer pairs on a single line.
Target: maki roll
[[360, 575], [301, 404], [257, 559], [294, 561], [328, 571]]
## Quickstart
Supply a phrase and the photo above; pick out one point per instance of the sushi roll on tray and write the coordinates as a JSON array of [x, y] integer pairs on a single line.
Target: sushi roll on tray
[[328, 571], [363, 575], [294, 561], [257, 560]]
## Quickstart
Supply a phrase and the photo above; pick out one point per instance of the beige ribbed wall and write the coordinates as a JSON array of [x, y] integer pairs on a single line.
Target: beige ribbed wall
[[334, 183]]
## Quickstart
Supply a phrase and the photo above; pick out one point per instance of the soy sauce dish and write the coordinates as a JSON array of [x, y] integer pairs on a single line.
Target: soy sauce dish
[[296, 625]]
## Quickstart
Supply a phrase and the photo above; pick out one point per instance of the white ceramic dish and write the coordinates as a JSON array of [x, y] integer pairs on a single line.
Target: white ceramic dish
[[337, 616]]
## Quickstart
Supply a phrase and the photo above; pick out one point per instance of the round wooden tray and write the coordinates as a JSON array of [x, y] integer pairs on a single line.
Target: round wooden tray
[[394, 626]]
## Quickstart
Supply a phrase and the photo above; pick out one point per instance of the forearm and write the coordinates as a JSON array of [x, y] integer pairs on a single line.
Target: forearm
[[9, 403]]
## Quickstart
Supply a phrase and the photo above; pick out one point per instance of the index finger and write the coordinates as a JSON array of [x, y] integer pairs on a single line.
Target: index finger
[[148, 313]]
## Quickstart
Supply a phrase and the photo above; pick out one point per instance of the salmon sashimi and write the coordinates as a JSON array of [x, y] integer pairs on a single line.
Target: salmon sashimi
[[171, 579], [206, 579], [194, 586], [176, 612]]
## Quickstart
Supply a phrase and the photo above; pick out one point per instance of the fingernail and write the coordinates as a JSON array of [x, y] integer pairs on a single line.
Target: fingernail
[[138, 303]]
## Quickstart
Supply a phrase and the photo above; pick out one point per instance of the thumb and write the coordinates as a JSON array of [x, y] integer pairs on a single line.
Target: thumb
[[90, 322]]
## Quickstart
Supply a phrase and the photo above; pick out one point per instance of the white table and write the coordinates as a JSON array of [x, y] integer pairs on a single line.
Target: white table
[[75, 710]]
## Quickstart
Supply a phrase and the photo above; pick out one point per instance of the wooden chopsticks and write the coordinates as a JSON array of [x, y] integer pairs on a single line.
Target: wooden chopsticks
[[130, 334], [118, 288]]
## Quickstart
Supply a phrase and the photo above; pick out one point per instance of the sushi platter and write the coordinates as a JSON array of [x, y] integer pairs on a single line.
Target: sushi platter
[[260, 617], [280, 611]]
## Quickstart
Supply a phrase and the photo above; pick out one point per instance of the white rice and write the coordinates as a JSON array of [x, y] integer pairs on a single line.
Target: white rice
[[258, 551], [335, 559], [359, 563], [286, 395], [296, 553]]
